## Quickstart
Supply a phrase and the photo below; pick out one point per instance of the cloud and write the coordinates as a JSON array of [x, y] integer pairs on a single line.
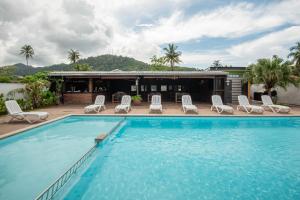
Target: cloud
[[275, 43], [144, 25], [11, 11], [139, 28]]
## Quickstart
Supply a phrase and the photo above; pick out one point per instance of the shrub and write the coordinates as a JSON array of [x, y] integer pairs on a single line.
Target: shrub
[[25, 104], [5, 79], [2, 105], [136, 98], [48, 98]]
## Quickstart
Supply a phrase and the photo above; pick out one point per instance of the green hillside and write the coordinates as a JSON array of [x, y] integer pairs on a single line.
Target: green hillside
[[98, 63]]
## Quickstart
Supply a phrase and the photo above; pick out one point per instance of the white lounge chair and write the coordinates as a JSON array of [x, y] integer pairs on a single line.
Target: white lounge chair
[[187, 104], [125, 104], [97, 106], [155, 103], [217, 104], [245, 105], [15, 112], [268, 104]]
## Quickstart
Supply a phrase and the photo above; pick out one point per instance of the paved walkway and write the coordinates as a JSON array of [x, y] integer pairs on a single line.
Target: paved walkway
[[169, 109]]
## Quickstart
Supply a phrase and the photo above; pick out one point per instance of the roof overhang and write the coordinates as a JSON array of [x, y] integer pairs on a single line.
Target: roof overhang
[[135, 74]]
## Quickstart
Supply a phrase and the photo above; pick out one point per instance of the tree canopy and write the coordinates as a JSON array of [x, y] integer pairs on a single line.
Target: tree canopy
[[73, 55], [27, 51], [171, 55], [295, 55], [271, 73]]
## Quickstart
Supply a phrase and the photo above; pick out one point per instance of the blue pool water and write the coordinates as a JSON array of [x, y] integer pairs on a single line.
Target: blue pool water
[[194, 158], [31, 161]]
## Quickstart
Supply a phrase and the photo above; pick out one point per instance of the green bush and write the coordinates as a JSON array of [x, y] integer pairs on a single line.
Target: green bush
[[48, 98], [25, 104], [5, 79], [136, 98], [2, 105]]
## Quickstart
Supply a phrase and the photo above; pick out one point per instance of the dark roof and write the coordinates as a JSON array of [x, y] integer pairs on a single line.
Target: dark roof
[[137, 73], [227, 68]]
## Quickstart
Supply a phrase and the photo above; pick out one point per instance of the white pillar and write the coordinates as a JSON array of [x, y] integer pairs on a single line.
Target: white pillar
[[137, 86]]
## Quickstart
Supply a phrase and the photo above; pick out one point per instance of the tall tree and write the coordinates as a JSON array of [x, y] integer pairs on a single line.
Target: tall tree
[[295, 54], [171, 55], [73, 56], [27, 51], [217, 64], [271, 73]]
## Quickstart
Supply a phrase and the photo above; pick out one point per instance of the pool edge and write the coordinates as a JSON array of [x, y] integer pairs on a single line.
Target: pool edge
[[12, 133]]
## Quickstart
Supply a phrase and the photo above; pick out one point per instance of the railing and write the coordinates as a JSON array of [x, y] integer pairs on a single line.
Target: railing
[[52, 189], [59, 183]]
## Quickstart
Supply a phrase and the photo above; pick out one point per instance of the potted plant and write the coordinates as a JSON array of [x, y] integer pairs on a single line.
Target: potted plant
[[137, 100]]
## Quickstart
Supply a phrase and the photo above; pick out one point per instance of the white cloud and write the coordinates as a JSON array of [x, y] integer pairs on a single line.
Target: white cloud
[[138, 28], [276, 43], [144, 25]]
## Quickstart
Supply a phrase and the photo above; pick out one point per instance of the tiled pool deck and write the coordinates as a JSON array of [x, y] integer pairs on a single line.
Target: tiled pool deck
[[169, 109]]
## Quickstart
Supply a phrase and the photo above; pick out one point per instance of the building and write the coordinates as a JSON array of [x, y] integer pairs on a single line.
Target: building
[[235, 76], [83, 86]]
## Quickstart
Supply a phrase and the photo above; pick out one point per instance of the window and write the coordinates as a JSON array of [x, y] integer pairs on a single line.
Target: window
[[219, 84], [76, 85], [163, 88], [143, 88], [133, 88], [153, 88], [179, 88], [170, 87]]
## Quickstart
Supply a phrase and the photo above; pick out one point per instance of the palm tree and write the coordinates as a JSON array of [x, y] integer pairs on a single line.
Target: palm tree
[[73, 56], [171, 55], [271, 73], [153, 59], [217, 64], [295, 54], [27, 51]]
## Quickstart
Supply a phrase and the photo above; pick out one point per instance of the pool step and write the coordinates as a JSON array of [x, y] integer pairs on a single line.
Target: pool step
[[100, 138]]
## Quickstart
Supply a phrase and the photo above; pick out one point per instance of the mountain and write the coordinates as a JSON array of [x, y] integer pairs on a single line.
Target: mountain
[[111, 62], [98, 63]]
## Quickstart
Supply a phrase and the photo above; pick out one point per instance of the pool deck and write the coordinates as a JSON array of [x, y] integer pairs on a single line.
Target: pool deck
[[169, 109]]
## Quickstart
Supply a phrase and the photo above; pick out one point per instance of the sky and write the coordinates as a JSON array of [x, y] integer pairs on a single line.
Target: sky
[[235, 32]]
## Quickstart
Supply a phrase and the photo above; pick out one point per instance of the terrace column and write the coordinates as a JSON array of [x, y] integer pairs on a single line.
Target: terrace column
[[137, 86], [90, 85]]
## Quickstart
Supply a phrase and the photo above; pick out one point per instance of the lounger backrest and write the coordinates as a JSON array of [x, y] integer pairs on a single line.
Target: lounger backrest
[[216, 100], [186, 100], [266, 99], [243, 100], [126, 100], [156, 100], [100, 99], [12, 107]]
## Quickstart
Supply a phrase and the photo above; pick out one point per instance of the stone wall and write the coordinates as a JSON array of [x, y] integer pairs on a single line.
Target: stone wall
[[7, 87], [289, 96], [78, 98]]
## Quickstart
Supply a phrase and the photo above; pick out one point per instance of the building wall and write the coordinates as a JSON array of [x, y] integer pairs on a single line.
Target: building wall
[[236, 84], [7, 87], [289, 96], [78, 98]]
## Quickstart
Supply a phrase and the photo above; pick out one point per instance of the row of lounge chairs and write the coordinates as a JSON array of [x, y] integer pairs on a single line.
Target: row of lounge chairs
[[15, 112], [187, 105]]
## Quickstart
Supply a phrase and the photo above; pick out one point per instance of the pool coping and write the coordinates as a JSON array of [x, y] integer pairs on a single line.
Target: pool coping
[[18, 131]]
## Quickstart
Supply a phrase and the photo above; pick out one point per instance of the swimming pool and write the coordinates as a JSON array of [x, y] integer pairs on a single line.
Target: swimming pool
[[158, 158], [32, 160], [194, 158]]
